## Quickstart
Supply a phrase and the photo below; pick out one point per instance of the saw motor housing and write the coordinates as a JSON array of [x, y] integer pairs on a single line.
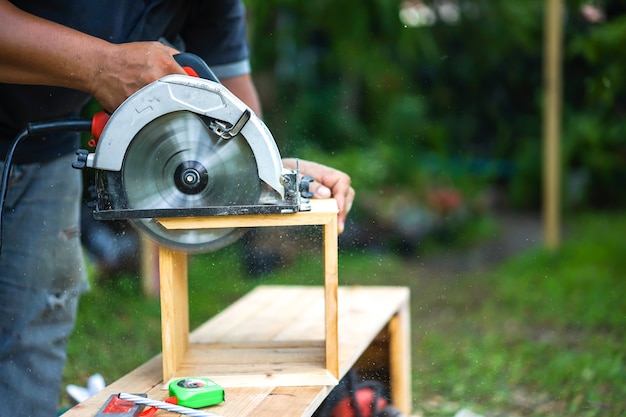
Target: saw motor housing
[[185, 146]]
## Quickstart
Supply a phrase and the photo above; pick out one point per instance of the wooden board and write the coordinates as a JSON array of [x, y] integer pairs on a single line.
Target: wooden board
[[319, 214], [282, 327]]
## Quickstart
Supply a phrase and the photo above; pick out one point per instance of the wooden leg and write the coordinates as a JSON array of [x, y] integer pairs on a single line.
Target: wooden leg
[[330, 287], [400, 360], [149, 267], [174, 309]]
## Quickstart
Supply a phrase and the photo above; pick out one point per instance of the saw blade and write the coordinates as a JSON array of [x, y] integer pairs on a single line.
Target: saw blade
[[176, 161]]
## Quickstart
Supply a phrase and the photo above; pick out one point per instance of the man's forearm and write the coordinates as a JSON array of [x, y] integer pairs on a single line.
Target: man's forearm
[[37, 51], [243, 87]]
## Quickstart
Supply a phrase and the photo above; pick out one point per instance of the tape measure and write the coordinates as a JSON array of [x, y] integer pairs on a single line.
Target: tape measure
[[196, 392]]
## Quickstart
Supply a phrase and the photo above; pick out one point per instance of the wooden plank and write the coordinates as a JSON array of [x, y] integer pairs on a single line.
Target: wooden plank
[[174, 308], [313, 377], [400, 359], [309, 326], [254, 317], [284, 401], [331, 265], [322, 211], [270, 402], [241, 401], [236, 364], [362, 312], [299, 310], [254, 386]]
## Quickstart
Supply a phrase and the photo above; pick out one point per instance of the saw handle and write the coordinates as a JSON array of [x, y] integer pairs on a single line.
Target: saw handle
[[195, 66], [98, 121]]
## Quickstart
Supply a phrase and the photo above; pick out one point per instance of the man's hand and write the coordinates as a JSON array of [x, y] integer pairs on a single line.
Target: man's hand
[[329, 182], [128, 67]]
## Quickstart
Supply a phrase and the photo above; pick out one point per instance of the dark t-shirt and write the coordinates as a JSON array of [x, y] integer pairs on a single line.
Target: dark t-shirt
[[214, 30]]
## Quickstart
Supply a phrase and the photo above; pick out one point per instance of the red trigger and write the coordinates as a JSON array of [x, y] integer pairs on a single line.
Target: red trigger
[[191, 71]]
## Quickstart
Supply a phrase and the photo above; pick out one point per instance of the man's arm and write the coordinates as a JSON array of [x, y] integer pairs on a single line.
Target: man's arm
[[243, 87], [37, 51]]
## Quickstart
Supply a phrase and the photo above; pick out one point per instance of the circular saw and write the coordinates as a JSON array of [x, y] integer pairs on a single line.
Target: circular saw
[[186, 146]]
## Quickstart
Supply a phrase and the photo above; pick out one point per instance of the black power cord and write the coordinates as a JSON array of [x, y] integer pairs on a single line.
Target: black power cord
[[34, 129]]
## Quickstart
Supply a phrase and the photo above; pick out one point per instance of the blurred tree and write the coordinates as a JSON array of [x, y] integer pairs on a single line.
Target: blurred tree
[[595, 103], [404, 83]]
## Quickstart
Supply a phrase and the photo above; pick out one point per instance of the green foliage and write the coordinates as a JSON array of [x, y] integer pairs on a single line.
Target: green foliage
[[525, 185], [594, 129], [346, 77], [108, 338]]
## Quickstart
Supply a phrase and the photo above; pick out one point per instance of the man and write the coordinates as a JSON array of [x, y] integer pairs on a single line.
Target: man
[[55, 55]]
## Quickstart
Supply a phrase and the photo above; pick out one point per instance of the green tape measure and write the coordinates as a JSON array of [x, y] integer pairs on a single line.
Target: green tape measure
[[196, 392]]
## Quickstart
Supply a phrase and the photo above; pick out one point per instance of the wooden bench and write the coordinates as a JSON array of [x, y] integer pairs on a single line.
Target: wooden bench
[[267, 350], [278, 350]]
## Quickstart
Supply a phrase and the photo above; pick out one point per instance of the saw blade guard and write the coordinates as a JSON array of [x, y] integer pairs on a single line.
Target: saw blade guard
[[175, 93], [185, 143]]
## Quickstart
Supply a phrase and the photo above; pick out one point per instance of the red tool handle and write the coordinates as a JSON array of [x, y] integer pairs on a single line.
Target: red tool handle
[[98, 121], [191, 71]]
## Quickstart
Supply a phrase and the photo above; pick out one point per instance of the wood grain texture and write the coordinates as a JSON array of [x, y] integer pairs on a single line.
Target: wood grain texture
[[280, 372]]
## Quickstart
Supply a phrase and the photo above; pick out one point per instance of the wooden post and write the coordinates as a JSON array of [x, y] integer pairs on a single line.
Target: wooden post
[[400, 359], [552, 119], [174, 309], [331, 267]]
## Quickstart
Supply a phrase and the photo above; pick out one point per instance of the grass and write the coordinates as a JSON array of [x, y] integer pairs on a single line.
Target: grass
[[541, 334]]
